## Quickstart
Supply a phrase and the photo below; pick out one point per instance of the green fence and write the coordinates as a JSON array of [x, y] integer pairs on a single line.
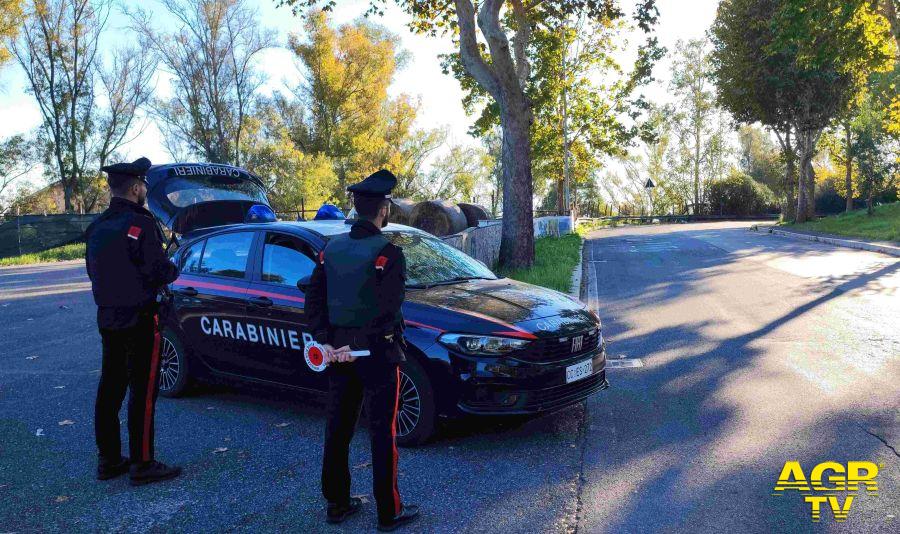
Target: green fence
[[33, 233]]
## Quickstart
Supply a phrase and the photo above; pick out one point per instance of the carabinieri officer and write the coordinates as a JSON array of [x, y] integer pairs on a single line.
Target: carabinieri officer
[[353, 302], [128, 268]]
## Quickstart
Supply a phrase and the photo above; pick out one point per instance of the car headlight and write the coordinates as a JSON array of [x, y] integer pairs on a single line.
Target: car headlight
[[482, 345]]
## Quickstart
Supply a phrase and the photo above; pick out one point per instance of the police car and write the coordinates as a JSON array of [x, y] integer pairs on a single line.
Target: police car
[[478, 344]]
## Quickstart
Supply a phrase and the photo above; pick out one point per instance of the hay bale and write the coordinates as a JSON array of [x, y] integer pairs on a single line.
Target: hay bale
[[401, 210], [473, 213], [438, 217]]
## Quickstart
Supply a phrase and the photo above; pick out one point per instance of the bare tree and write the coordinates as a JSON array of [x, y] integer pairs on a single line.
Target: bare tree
[[58, 49], [212, 59], [17, 159]]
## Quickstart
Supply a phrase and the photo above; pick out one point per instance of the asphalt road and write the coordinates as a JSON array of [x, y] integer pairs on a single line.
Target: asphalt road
[[755, 349]]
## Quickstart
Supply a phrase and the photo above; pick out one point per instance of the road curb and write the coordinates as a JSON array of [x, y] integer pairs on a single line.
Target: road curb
[[575, 285], [839, 242], [43, 264]]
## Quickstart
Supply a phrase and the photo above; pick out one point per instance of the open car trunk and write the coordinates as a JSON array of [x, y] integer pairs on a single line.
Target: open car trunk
[[190, 196]]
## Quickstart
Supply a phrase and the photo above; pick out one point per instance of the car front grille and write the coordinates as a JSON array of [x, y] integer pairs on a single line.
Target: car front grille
[[560, 348], [562, 395], [509, 400]]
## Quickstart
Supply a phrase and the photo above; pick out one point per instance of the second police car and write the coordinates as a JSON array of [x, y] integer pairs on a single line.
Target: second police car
[[478, 344]]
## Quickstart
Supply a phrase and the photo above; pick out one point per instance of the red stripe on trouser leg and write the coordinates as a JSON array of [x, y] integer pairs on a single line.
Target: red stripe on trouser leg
[[397, 505], [151, 390]]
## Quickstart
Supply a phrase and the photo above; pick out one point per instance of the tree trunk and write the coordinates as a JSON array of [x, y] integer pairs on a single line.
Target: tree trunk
[[697, 172], [68, 195], [889, 10], [806, 146], [517, 235], [788, 202], [810, 174], [848, 181], [870, 204], [803, 149], [560, 195]]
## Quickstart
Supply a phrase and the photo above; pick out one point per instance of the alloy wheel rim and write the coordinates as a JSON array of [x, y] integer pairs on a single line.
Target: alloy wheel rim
[[169, 366], [410, 406]]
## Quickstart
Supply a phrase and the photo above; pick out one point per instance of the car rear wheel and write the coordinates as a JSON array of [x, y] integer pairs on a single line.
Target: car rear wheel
[[415, 411], [173, 365]]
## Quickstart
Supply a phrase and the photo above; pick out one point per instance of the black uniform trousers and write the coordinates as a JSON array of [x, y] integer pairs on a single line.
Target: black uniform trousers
[[130, 361], [376, 380]]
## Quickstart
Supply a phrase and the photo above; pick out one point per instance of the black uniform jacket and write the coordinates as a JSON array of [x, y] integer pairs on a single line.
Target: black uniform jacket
[[126, 263], [390, 291]]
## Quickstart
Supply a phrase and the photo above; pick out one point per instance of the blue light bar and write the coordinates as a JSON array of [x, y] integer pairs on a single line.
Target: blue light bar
[[259, 213]]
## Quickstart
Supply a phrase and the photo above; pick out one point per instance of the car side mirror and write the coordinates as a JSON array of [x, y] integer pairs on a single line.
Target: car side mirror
[[303, 283]]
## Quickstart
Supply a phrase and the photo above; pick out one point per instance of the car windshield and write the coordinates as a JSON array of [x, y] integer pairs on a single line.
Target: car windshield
[[192, 190], [430, 261]]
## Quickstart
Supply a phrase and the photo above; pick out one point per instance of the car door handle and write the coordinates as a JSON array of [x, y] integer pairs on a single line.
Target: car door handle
[[186, 291], [260, 301]]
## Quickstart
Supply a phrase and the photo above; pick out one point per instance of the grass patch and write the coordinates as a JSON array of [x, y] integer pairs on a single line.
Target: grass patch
[[74, 251], [554, 260], [884, 225]]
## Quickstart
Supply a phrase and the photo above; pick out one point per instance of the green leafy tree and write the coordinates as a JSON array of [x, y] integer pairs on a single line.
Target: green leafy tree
[[877, 151], [343, 108], [581, 98], [760, 158], [794, 65], [503, 68], [692, 85], [293, 178]]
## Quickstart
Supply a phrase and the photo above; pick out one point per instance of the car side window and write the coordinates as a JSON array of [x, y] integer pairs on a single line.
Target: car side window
[[286, 259], [190, 258], [226, 254]]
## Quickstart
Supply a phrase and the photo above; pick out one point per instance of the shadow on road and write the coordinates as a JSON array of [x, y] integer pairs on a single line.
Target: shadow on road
[[696, 441]]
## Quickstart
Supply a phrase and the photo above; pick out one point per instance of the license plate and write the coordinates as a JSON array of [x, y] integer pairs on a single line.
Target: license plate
[[579, 370]]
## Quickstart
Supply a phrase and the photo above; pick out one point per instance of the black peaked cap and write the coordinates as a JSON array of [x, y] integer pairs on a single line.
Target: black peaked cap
[[118, 173], [378, 184]]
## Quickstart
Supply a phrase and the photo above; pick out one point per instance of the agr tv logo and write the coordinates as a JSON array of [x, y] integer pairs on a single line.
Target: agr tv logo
[[820, 489]]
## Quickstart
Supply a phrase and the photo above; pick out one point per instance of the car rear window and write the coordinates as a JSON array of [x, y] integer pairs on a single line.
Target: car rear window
[[187, 191], [286, 259], [226, 254]]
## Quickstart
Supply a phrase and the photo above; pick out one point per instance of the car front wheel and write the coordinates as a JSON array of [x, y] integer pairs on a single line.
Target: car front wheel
[[173, 365], [415, 407]]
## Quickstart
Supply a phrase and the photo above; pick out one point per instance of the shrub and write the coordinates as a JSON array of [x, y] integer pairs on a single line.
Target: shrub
[[739, 194]]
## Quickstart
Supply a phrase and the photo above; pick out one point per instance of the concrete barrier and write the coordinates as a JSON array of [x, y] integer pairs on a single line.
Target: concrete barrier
[[483, 242]]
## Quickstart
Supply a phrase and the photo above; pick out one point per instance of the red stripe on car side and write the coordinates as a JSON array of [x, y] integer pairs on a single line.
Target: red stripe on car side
[[513, 333], [233, 289], [520, 332], [423, 325]]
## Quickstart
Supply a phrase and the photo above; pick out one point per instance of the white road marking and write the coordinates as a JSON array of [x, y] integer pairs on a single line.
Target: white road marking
[[624, 363]]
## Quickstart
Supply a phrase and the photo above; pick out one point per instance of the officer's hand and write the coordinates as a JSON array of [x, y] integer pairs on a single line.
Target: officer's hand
[[329, 353], [342, 354]]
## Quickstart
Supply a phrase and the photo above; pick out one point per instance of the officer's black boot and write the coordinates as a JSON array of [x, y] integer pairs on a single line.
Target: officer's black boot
[[407, 515], [148, 472], [107, 469], [337, 513]]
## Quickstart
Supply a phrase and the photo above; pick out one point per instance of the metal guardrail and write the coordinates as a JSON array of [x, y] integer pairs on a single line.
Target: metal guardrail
[[682, 218]]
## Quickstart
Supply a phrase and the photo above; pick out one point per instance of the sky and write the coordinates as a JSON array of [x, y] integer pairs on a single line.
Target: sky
[[439, 94]]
